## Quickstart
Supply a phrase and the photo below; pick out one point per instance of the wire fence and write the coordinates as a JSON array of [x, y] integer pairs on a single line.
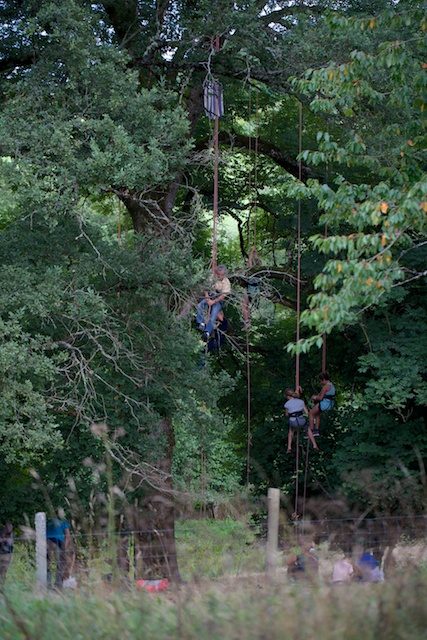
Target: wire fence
[[214, 548]]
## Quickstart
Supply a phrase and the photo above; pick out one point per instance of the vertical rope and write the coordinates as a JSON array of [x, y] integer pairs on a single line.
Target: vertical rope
[[324, 352], [248, 366], [203, 465], [256, 165], [250, 170], [305, 479], [296, 475], [249, 444], [297, 358], [215, 198], [255, 172], [326, 235], [119, 225]]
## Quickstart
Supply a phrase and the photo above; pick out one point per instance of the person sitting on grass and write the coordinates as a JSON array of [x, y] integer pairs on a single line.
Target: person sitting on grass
[[324, 401], [343, 570], [370, 568], [295, 409], [304, 566]]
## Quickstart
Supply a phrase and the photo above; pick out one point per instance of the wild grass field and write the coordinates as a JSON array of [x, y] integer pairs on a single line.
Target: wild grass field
[[225, 595]]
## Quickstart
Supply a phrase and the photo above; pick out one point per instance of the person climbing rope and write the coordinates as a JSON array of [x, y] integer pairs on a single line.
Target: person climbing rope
[[295, 409], [324, 401], [213, 302]]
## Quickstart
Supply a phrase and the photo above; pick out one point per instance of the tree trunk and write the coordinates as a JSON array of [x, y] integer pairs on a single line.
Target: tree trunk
[[163, 505], [153, 520]]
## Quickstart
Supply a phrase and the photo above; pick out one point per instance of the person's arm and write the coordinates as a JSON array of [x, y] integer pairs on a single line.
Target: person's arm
[[67, 537], [291, 561], [322, 392], [220, 298], [357, 570]]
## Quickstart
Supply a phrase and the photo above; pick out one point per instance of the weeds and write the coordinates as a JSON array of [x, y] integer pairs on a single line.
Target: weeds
[[233, 609]]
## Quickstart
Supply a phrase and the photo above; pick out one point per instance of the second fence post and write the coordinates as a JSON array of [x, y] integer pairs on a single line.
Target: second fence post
[[273, 529]]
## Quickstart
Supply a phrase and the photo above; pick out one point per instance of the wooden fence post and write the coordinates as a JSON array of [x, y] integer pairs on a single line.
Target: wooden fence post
[[273, 529], [41, 561]]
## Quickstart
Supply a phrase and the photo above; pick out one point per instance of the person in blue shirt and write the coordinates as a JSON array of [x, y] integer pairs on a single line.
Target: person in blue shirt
[[323, 401], [58, 540], [370, 568]]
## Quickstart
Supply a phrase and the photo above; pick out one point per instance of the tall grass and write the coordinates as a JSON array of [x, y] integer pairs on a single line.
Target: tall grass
[[230, 609]]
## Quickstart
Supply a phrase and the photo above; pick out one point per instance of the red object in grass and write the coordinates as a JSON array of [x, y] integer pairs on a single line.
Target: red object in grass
[[153, 585]]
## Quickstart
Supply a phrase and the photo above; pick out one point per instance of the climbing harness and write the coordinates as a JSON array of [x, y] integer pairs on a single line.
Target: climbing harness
[[297, 420]]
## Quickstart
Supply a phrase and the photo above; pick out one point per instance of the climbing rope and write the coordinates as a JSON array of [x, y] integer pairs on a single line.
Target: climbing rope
[[252, 206], [253, 187], [326, 234], [298, 322], [249, 443], [214, 109]]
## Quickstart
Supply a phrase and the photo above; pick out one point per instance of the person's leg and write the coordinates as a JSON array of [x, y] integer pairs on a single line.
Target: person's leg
[[59, 564], [246, 311], [290, 438], [200, 311], [5, 559], [311, 438], [313, 416], [61, 567], [215, 309], [50, 556]]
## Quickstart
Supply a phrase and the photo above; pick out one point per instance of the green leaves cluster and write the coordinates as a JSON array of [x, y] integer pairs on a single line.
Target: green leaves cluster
[[375, 210], [78, 122], [28, 430]]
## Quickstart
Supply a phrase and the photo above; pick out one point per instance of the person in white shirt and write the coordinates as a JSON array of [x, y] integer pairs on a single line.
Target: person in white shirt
[[342, 571]]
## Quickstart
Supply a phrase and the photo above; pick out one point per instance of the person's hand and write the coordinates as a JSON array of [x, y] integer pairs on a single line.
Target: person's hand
[[209, 301]]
